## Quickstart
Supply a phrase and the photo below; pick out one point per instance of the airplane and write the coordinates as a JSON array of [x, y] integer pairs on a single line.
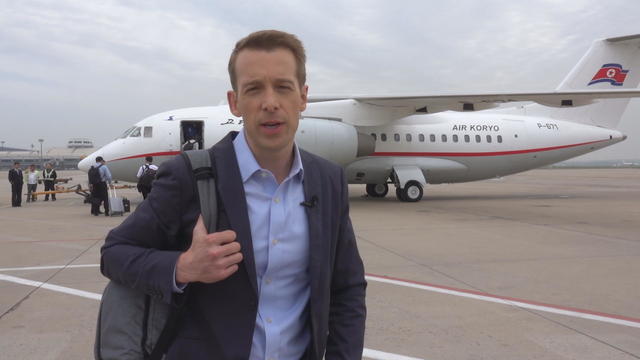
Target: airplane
[[412, 141]]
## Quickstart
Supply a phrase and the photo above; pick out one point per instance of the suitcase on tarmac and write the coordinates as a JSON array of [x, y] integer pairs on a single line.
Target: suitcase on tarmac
[[116, 206]]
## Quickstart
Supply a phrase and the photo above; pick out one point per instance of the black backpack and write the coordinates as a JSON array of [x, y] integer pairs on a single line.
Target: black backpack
[[94, 175], [147, 177]]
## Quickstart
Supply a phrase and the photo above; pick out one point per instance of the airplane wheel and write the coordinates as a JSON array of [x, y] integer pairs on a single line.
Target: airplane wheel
[[377, 190], [400, 194], [412, 191]]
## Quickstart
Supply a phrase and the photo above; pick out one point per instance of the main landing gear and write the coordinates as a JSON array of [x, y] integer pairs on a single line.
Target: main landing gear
[[377, 190], [412, 191], [409, 182]]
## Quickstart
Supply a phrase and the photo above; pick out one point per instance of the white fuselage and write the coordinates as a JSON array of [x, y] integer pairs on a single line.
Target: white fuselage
[[457, 147], [447, 147]]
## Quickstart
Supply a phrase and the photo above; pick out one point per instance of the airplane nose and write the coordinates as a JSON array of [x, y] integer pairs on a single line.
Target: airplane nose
[[624, 137], [85, 164]]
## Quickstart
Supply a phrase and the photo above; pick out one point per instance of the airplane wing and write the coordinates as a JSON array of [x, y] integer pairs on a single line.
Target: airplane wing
[[471, 102], [384, 109], [607, 64]]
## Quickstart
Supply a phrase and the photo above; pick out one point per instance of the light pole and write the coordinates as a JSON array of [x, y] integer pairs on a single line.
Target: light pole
[[2, 145], [41, 161]]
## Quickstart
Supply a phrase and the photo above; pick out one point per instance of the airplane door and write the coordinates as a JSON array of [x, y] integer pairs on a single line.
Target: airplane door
[[192, 134]]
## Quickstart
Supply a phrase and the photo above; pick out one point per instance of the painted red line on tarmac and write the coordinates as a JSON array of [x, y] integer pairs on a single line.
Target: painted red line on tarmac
[[507, 298], [497, 153]]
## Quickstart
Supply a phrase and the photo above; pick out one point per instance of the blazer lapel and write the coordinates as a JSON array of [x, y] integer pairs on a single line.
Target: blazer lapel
[[231, 191], [312, 190]]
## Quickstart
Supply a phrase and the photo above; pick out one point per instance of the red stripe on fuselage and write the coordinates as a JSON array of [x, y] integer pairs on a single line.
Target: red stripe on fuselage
[[497, 153], [165, 153]]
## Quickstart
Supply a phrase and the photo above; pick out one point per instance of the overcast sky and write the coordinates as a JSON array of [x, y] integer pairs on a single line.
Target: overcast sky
[[71, 68]]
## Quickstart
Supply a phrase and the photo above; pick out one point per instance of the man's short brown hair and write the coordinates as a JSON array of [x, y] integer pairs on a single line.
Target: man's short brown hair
[[270, 40]]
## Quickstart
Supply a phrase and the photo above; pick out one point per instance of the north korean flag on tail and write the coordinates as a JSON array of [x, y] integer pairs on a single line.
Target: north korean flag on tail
[[611, 73]]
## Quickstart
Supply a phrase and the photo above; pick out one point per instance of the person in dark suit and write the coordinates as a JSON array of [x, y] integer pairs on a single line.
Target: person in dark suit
[[281, 277], [17, 181]]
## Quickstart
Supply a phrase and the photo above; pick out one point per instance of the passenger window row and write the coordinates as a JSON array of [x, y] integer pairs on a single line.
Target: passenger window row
[[443, 138]]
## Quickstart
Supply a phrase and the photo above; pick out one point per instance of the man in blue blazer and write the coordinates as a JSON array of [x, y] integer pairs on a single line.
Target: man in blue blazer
[[281, 278]]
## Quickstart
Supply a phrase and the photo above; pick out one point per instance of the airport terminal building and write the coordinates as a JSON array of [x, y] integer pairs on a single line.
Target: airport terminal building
[[63, 158]]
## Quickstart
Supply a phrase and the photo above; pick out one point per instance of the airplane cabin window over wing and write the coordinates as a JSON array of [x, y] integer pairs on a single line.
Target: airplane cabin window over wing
[[421, 137], [478, 138], [383, 137], [466, 138], [135, 132], [432, 138], [148, 131], [500, 138], [444, 138], [455, 138], [489, 138], [396, 137], [408, 137]]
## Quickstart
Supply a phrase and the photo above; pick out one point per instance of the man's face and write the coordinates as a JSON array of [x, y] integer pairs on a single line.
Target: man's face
[[16, 166], [268, 98]]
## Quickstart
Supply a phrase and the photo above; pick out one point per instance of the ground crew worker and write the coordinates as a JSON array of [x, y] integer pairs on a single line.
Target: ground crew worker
[[49, 176]]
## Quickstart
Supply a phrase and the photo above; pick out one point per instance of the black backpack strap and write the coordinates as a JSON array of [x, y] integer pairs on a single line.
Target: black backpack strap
[[203, 170], [203, 167]]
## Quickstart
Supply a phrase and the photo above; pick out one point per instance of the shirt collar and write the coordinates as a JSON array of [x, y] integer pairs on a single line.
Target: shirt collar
[[249, 165]]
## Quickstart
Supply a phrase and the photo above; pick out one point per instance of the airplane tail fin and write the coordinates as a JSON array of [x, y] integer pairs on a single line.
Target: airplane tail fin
[[612, 63]]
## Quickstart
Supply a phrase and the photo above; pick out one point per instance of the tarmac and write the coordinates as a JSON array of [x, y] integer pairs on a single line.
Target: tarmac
[[539, 265]]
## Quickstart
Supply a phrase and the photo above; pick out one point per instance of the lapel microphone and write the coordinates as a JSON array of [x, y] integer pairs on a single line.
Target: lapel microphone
[[310, 203]]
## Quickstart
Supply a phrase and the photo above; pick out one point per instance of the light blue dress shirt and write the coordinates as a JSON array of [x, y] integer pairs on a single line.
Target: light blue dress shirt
[[105, 174], [280, 235]]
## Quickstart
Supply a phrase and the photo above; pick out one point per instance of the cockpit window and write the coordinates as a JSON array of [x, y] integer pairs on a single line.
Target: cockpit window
[[148, 131], [127, 132], [135, 132]]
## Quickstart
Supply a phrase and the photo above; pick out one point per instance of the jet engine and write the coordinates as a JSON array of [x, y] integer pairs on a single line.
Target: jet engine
[[333, 140]]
